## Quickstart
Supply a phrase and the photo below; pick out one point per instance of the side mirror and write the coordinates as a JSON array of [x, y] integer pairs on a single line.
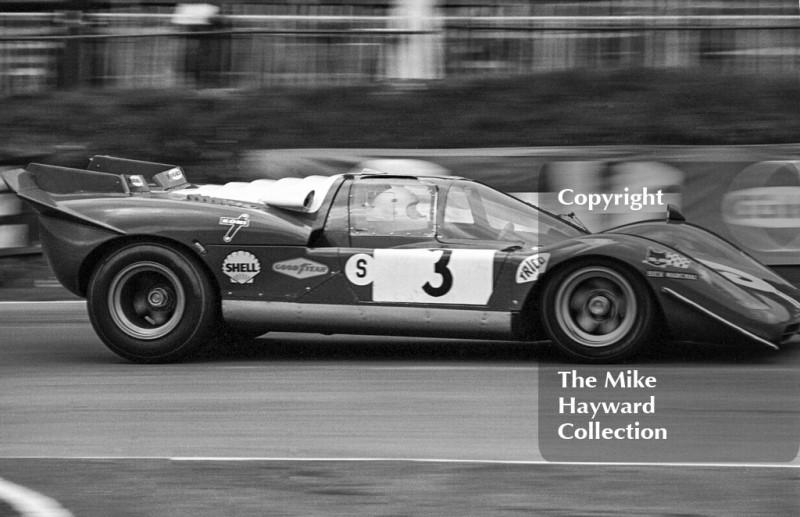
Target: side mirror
[[674, 214]]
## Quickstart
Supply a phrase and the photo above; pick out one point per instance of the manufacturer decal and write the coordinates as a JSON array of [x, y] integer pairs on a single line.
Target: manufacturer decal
[[666, 258], [241, 267], [530, 268], [174, 174], [672, 274], [300, 268], [235, 223]]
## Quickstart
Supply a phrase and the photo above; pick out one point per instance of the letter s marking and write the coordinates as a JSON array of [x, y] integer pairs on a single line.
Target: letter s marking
[[361, 268]]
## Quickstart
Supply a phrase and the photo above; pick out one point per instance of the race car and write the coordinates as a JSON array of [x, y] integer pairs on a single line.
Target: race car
[[167, 266]]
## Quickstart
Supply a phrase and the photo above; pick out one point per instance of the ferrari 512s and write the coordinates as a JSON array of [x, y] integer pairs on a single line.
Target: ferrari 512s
[[166, 265]]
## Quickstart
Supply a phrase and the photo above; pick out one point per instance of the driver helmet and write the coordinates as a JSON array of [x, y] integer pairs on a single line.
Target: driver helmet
[[396, 203]]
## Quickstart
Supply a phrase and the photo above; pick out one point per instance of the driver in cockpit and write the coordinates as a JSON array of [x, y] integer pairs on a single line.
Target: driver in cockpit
[[394, 204]]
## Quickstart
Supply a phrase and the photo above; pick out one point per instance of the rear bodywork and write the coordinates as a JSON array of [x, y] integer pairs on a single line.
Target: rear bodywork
[[305, 266]]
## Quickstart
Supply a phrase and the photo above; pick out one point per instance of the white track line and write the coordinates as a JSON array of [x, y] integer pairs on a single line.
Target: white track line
[[51, 302], [795, 464], [495, 462], [29, 503]]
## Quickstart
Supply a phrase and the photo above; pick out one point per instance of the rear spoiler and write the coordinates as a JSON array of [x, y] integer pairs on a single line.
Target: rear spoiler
[[103, 175], [153, 174]]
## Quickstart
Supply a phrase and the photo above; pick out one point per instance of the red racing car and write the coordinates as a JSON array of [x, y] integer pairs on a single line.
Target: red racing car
[[166, 265]]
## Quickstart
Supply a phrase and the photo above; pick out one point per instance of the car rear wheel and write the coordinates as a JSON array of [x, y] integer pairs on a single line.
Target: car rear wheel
[[150, 303], [598, 312]]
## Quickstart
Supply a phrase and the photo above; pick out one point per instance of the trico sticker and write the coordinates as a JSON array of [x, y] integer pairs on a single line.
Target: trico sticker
[[241, 267], [530, 268], [243, 221], [666, 258], [300, 268]]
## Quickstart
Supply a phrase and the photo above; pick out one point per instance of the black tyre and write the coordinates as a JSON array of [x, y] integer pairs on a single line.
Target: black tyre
[[150, 303], [598, 312]]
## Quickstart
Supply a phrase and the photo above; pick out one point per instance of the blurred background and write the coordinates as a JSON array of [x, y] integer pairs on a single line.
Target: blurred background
[[194, 82], [205, 79], [225, 88], [48, 44]]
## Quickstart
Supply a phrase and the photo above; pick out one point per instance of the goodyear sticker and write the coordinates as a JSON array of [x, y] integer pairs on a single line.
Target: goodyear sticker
[[241, 267], [530, 268], [300, 268]]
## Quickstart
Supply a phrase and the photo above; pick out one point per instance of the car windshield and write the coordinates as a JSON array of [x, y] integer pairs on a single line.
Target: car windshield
[[475, 211]]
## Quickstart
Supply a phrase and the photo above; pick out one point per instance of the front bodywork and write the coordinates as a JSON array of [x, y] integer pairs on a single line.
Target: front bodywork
[[721, 288], [314, 267]]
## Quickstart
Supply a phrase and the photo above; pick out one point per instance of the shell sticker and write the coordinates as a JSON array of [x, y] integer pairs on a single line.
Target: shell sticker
[[241, 267]]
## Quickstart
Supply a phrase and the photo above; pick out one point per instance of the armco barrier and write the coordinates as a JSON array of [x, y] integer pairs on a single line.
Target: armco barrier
[[18, 226]]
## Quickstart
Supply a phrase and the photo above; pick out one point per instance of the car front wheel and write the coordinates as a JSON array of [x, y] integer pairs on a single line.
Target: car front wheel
[[598, 312], [150, 303]]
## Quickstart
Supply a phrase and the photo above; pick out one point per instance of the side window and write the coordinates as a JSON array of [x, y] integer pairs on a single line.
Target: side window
[[457, 210], [464, 216], [392, 207], [473, 211]]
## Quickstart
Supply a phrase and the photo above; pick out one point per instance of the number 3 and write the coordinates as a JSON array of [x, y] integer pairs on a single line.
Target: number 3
[[447, 277]]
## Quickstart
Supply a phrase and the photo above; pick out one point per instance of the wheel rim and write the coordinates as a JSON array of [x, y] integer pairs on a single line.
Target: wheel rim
[[146, 300], [596, 307]]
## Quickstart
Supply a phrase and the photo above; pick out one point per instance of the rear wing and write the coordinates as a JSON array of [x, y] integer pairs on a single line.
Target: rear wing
[[104, 174], [160, 175]]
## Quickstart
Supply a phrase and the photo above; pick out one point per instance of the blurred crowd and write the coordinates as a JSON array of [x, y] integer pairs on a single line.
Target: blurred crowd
[[46, 44], [451, 7]]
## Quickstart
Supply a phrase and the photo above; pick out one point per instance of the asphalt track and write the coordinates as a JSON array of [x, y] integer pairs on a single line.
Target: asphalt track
[[69, 407]]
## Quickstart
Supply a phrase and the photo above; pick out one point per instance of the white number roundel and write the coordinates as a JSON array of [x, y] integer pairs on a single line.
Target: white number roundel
[[360, 269]]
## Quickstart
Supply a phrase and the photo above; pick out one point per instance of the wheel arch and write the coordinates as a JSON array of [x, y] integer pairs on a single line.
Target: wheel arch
[[530, 320], [105, 250]]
